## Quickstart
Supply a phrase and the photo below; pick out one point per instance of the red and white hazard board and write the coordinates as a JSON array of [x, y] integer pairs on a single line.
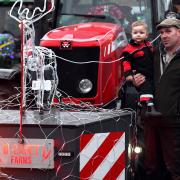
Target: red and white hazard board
[[102, 156]]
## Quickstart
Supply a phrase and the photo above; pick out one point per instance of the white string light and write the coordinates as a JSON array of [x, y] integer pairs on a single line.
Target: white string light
[[36, 59], [101, 62]]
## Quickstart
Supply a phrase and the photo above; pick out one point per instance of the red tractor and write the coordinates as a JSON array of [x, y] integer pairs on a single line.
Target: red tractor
[[87, 61], [88, 50]]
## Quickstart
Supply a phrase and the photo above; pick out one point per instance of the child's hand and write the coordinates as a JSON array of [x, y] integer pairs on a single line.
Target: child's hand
[[129, 78]]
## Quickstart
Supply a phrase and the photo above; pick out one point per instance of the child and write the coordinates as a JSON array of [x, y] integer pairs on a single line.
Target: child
[[138, 58]]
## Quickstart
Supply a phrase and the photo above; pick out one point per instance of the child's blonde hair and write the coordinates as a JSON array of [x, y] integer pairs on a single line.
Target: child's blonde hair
[[139, 23]]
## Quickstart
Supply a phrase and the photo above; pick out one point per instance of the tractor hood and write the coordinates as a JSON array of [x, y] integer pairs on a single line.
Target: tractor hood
[[93, 31]]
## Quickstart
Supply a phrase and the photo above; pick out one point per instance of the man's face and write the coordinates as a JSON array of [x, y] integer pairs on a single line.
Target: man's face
[[170, 37]]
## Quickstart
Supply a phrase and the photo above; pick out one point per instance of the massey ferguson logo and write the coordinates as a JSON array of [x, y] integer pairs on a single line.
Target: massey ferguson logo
[[66, 45]]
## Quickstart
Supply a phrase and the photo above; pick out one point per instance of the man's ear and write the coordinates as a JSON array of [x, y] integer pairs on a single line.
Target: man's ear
[[179, 32]]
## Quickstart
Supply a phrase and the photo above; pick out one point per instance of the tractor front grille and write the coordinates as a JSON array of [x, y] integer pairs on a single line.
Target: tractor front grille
[[70, 73]]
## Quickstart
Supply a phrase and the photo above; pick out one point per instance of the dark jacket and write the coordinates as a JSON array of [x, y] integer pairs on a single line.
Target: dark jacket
[[138, 57], [168, 89]]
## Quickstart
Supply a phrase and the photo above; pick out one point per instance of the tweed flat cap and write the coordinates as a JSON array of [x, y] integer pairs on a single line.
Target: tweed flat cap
[[170, 22]]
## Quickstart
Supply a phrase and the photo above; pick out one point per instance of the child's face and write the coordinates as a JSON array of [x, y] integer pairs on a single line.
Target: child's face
[[139, 34]]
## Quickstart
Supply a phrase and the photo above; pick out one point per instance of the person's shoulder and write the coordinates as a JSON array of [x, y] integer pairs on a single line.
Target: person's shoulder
[[129, 48], [148, 43], [178, 52]]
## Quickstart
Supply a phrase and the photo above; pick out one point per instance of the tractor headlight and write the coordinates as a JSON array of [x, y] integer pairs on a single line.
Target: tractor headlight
[[138, 149], [85, 86]]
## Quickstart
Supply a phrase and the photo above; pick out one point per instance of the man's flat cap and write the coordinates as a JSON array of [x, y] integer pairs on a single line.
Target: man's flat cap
[[170, 22]]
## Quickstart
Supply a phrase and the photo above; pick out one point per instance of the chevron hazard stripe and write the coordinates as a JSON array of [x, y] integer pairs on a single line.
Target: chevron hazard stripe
[[102, 156]]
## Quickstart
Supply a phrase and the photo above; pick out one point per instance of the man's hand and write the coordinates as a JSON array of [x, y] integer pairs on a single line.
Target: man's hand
[[138, 79]]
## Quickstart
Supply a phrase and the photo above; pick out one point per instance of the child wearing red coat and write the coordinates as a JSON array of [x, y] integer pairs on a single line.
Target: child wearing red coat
[[138, 58]]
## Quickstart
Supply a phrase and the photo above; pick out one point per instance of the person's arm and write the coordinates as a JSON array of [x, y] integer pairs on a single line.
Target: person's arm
[[128, 74]]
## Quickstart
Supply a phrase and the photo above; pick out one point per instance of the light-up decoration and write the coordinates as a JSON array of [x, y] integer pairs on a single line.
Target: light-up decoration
[[36, 60], [6, 46]]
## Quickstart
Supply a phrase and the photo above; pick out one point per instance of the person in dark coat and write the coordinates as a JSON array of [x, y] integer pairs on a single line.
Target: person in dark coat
[[162, 135]]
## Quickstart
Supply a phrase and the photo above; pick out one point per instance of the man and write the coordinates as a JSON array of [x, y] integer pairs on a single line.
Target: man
[[162, 135]]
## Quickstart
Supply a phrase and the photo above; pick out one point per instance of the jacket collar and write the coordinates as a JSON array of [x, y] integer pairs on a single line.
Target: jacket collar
[[132, 42], [163, 50]]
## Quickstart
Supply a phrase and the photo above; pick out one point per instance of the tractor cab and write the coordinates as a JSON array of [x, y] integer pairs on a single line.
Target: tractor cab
[[122, 12]]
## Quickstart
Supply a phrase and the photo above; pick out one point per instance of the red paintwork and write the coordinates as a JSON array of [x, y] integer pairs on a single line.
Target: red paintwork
[[94, 34]]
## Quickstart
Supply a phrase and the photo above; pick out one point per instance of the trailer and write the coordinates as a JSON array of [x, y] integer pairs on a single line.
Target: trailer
[[67, 145]]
